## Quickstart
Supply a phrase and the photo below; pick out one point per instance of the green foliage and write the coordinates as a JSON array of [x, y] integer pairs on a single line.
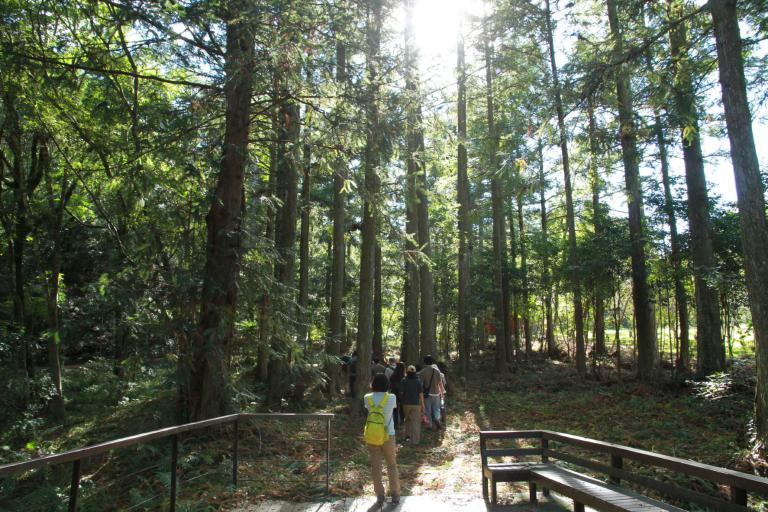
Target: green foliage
[[738, 381], [127, 100]]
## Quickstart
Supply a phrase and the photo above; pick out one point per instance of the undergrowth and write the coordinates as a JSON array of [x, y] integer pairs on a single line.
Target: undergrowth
[[706, 421]]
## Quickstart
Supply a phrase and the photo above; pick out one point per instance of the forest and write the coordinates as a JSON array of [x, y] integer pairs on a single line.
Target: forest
[[205, 204]]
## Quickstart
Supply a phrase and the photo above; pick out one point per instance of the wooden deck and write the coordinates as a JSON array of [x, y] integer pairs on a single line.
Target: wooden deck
[[590, 491], [421, 503]]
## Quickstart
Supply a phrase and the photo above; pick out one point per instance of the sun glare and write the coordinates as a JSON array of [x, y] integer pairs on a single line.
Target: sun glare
[[436, 25]]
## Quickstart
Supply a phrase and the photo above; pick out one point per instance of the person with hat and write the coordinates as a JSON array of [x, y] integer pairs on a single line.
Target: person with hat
[[412, 392]]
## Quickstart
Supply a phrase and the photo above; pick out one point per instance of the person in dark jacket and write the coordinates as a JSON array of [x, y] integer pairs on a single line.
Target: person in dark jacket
[[394, 385], [412, 392]]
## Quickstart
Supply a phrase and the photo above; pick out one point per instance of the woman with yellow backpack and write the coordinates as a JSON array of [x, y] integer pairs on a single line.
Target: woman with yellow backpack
[[379, 435]]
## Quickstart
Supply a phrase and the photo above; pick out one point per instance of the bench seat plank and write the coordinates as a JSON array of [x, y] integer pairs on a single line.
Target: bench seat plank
[[594, 493], [512, 471]]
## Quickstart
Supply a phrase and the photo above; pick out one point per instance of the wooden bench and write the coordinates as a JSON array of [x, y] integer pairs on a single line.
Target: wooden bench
[[555, 455]]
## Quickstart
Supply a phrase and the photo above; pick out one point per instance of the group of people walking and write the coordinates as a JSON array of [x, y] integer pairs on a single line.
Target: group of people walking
[[400, 396]]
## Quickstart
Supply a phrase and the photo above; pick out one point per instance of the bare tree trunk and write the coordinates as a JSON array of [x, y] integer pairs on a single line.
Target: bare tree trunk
[[413, 167], [710, 351], [377, 341], [462, 192], [617, 327], [426, 280], [681, 298], [336, 320], [303, 319], [500, 278], [265, 308], [549, 336], [596, 185], [56, 208], [208, 379], [428, 332], [573, 261], [18, 234], [524, 277], [750, 192], [513, 325], [643, 304], [371, 164], [285, 229]]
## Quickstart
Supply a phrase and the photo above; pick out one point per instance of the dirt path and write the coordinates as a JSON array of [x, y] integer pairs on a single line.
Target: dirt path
[[442, 473], [449, 459]]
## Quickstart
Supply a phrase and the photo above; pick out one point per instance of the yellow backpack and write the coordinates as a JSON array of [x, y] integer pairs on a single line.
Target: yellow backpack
[[376, 432]]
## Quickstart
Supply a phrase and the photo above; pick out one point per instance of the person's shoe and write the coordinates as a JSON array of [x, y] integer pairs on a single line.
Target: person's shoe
[[395, 499], [380, 500]]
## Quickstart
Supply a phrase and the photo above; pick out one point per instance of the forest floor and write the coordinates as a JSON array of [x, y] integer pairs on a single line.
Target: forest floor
[[706, 422]]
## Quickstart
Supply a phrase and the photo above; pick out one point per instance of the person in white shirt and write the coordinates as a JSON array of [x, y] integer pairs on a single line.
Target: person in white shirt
[[387, 451]]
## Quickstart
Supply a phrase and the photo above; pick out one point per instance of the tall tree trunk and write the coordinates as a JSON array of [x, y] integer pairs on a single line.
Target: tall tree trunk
[[643, 304], [462, 193], [371, 162], [303, 318], [524, 311], [410, 345], [336, 320], [56, 206], [208, 379], [710, 350], [377, 341], [513, 348], [18, 236], [428, 332], [681, 298], [412, 284], [413, 167], [549, 331], [598, 293], [573, 260], [445, 328], [265, 308], [285, 232], [749, 190], [426, 280], [500, 278]]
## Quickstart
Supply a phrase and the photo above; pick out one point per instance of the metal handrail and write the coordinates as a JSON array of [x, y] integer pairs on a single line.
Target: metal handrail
[[75, 456]]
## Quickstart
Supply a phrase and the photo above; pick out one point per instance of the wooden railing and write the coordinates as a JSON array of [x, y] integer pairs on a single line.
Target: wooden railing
[[739, 483], [76, 456]]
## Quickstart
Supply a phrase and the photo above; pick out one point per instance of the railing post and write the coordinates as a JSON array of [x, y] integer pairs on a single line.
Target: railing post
[[235, 438], [74, 488], [618, 463], [544, 458], [739, 496], [174, 463], [328, 456]]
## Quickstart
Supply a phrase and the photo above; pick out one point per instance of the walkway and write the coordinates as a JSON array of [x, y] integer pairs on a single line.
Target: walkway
[[441, 475], [421, 503]]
